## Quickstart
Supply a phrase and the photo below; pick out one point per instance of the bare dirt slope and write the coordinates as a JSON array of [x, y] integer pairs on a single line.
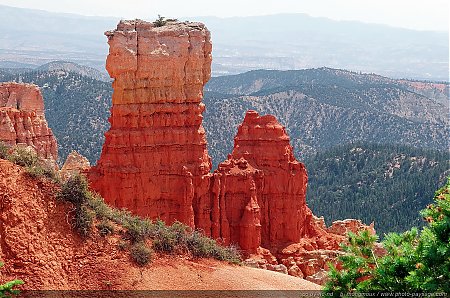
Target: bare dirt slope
[[39, 246]]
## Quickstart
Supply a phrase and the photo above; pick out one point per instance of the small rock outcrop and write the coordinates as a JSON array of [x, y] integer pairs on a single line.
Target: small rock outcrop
[[22, 119], [343, 227], [75, 164], [154, 160]]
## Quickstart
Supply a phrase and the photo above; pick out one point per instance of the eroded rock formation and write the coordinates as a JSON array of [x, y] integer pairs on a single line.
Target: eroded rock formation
[[285, 218], [40, 246], [155, 151], [155, 163], [235, 210], [75, 164], [22, 119], [259, 192], [343, 227]]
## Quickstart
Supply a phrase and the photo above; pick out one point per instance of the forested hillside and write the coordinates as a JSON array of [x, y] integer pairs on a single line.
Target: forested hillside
[[387, 184]]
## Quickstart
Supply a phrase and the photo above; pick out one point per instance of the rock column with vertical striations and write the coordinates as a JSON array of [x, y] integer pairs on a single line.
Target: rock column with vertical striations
[[22, 119], [154, 161], [284, 215], [236, 214]]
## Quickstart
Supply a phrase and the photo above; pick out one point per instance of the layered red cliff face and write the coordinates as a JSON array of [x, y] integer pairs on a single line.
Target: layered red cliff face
[[154, 161], [22, 119]]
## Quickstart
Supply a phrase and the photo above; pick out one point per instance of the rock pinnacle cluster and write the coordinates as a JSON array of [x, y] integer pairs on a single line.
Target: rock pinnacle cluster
[[155, 162]]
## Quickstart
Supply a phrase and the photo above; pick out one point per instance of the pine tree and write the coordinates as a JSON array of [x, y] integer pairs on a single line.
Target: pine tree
[[413, 261]]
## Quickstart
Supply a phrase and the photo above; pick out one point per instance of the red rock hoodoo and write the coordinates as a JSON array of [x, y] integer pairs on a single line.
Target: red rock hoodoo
[[75, 164], [262, 188], [154, 161], [22, 119]]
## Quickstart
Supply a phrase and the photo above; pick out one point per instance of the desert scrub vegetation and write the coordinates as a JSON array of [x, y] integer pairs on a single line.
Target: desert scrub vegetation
[[136, 233], [162, 21], [27, 158], [3, 151], [141, 253], [105, 228], [76, 191]]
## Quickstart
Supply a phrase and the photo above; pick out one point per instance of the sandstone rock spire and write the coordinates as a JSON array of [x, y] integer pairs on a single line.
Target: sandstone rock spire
[[282, 214], [154, 161]]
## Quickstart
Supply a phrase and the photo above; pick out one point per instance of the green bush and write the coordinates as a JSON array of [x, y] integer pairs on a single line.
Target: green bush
[[160, 21], [96, 203], [39, 170], [3, 151], [121, 217], [84, 218], [137, 229], [75, 191], [141, 254], [179, 237], [105, 228], [24, 157], [414, 261], [201, 246], [168, 239], [8, 289]]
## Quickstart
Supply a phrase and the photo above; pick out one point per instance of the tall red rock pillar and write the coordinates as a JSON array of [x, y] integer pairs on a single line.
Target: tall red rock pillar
[[154, 160]]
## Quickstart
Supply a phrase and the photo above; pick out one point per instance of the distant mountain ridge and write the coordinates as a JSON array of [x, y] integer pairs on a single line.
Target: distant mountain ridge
[[76, 68], [322, 108], [283, 41], [11, 67]]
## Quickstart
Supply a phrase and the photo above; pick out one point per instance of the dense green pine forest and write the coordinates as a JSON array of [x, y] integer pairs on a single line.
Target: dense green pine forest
[[387, 184]]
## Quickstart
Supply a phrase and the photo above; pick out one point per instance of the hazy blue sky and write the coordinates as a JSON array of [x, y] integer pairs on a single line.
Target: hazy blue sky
[[415, 14]]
